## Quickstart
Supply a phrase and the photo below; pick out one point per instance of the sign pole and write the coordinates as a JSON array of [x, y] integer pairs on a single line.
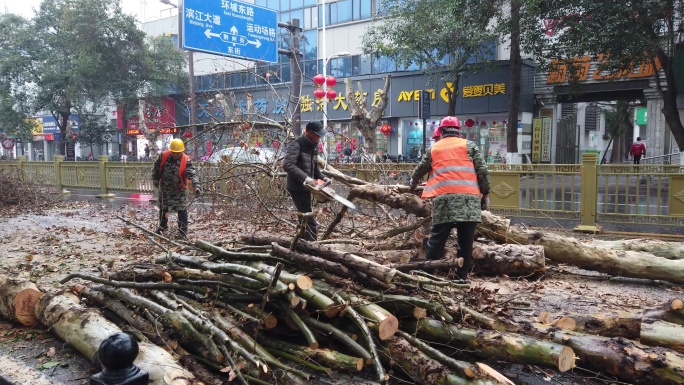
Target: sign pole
[[424, 113]]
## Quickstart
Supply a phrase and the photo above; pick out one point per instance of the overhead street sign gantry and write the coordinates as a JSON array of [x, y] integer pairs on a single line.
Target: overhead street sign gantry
[[230, 28]]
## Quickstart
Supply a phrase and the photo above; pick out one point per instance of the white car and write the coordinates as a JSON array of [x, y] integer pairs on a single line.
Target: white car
[[241, 155]]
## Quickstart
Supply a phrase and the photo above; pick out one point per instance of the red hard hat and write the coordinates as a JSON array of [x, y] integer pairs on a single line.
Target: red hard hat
[[450, 121], [437, 134]]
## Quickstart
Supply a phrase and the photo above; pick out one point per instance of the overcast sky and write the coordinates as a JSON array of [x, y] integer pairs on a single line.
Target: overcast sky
[[143, 10]]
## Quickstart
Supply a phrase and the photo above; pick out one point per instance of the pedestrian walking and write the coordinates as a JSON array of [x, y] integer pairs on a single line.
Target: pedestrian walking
[[147, 151], [172, 174], [637, 150], [301, 166], [459, 186]]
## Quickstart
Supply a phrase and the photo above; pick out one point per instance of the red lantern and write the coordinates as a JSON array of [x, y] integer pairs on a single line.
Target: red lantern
[[483, 123], [493, 122], [319, 79], [386, 129], [330, 81], [187, 134], [319, 93], [331, 94], [505, 121], [469, 123]]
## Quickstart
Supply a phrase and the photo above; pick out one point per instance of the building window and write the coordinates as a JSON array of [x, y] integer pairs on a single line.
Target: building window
[[309, 45]]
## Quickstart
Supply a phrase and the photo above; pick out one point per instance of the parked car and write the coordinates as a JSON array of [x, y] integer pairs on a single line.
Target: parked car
[[242, 155]]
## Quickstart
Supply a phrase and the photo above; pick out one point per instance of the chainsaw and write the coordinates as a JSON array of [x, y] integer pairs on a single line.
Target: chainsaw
[[324, 193]]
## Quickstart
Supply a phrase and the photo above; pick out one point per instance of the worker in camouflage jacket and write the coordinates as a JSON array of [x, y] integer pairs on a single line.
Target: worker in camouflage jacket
[[459, 186], [171, 173]]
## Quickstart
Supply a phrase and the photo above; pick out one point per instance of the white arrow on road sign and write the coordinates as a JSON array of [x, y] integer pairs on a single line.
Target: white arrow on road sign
[[233, 30], [209, 34], [257, 42]]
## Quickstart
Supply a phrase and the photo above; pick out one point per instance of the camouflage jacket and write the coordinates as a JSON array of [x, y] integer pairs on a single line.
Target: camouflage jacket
[[170, 193], [457, 207]]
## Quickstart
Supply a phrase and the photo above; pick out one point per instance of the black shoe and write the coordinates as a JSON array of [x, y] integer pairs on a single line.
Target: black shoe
[[161, 230]]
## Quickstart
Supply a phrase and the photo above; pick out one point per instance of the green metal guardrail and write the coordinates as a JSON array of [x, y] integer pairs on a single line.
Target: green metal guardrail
[[587, 192]]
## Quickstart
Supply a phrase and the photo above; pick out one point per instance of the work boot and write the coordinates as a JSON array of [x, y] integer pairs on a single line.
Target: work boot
[[161, 230]]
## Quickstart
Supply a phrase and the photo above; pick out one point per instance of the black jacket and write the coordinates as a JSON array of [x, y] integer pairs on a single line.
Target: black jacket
[[301, 162]]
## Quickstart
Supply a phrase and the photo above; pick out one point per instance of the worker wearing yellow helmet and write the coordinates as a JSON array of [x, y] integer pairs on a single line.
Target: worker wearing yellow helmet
[[173, 172]]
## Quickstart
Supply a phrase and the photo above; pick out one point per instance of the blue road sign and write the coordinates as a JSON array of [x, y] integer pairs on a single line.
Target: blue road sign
[[230, 28]]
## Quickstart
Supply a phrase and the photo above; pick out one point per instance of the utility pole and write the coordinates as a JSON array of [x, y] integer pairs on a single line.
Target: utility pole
[[295, 73]]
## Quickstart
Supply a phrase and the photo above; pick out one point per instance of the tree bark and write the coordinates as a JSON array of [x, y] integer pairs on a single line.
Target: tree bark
[[661, 333], [661, 249], [511, 260]]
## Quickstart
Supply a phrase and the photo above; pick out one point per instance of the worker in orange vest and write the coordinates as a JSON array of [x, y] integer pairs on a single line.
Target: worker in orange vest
[[172, 173], [459, 187]]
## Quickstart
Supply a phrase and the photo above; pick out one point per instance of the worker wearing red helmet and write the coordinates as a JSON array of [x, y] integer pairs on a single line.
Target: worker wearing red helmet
[[459, 187]]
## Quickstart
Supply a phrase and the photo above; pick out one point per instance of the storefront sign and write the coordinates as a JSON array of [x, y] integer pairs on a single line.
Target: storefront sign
[[36, 126], [137, 131], [484, 90], [49, 136], [587, 70], [536, 140], [546, 140], [50, 124]]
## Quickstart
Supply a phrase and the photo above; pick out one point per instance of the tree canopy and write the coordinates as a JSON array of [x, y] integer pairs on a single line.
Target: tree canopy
[[624, 34], [440, 36], [77, 55]]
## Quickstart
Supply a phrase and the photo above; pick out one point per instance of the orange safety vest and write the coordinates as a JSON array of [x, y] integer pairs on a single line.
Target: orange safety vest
[[181, 169], [452, 170]]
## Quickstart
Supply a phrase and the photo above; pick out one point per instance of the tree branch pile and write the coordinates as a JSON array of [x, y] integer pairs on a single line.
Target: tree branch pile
[[20, 191], [272, 309]]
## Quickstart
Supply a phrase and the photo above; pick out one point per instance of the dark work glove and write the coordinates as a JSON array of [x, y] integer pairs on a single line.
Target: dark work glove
[[484, 203], [413, 184]]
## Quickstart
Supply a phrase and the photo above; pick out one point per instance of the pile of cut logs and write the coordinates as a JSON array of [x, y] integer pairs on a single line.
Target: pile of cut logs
[[264, 309]]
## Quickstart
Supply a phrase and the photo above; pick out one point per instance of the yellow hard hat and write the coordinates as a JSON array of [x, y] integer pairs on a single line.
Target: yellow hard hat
[[177, 145]]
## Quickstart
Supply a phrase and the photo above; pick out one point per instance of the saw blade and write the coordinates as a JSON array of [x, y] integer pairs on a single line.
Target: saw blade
[[345, 202]]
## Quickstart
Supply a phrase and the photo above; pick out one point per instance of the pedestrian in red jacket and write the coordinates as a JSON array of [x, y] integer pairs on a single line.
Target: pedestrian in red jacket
[[638, 150]]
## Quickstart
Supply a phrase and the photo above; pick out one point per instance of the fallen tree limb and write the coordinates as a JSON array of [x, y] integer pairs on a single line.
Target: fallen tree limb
[[560, 249], [85, 329], [504, 346]]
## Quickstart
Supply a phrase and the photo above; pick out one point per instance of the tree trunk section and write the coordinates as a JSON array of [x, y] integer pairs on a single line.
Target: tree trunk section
[[661, 333], [626, 325], [619, 357], [419, 367], [85, 329], [661, 249], [18, 299], [510, 260], [560, 249], [502, 346]]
